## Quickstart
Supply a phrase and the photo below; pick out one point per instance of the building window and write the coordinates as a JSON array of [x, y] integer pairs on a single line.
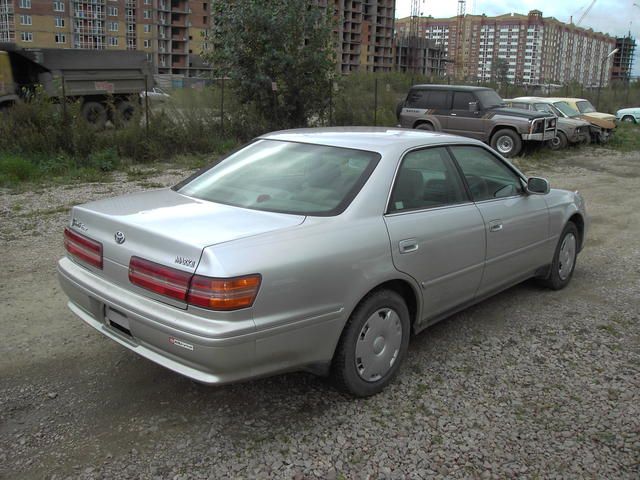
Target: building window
[[61, 38], [26, 36], [131, 28], [58, 6], [146, 14], [113, 41], [147, 28], [147, 2], [112, 11], [25, 4], [25, 20], [59, 22], [147, 44], [113, 26]]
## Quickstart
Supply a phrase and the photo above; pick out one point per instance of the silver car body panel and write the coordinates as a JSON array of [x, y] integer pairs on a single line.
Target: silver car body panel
[[315, 270]]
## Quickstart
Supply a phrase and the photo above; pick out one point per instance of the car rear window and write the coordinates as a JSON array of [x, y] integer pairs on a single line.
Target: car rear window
[[286, 177], [585, 106]]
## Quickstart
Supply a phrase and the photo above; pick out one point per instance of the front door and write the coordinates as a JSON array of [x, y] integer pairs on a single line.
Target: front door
[[464, 121], [437, 234], [516, 223]]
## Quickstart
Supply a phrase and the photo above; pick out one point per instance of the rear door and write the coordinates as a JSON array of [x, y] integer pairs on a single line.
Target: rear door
[[437, 234], [516, 223], [463, 121]]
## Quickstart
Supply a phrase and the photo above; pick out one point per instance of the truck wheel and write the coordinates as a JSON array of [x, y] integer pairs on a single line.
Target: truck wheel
[[506, 142], [125, 112], [425, 126], [559, 142], [95, 113]]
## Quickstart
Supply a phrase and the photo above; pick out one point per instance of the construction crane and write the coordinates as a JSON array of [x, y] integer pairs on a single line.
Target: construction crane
[[586, 11], [459, 55]]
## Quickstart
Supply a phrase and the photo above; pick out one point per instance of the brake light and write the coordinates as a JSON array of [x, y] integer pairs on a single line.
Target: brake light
[[223, 293], [83, 248], [159, 279], [206, 292]]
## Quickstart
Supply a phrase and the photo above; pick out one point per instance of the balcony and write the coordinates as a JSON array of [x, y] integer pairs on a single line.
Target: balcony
[[6, 9]]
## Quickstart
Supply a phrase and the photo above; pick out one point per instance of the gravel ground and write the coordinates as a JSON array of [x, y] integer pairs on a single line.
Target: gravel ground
[[529, 384]]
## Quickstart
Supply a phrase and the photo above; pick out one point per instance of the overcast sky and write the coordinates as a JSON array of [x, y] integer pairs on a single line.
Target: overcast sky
[[615, 17]]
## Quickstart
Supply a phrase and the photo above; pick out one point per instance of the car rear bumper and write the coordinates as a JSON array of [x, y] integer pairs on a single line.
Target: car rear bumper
[[227, 351]]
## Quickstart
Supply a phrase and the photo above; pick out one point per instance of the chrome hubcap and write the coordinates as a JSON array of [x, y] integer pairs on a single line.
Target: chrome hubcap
[[567, 256], [505, 144], [378, 344]]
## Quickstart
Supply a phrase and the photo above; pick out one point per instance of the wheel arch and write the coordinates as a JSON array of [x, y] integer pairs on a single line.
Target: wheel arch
[[502, 126], [431, 121], [578, 220]]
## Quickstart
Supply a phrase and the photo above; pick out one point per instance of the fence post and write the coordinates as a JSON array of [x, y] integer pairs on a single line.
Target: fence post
[[375, 103], [330, 102], [64, 102], [146, 104], [222, 107]]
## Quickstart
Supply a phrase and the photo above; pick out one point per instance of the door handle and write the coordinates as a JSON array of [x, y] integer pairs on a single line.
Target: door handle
[[495, 225], [454, 114], [408, 246]]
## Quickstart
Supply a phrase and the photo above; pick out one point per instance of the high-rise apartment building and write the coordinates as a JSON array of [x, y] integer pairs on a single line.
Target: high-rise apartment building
[[531, 48], [364, 34], [171, 32], [623, 58]]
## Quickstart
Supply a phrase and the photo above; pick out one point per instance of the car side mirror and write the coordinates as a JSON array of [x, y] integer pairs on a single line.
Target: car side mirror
[[538, 185], [473, 107]]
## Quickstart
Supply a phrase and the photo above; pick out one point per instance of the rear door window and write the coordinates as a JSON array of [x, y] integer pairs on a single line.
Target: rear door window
[[417, 99], [439, 99], [461, 100], [426, 178]]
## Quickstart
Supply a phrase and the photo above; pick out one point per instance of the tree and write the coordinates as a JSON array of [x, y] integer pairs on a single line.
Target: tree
[[500, 70], [278, 54]]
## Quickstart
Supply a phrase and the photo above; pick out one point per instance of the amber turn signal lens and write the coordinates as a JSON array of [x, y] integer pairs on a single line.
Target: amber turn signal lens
[[224, 293]]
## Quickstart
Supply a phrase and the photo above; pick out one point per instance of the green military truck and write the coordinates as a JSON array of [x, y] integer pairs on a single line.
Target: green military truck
[[107, 83]]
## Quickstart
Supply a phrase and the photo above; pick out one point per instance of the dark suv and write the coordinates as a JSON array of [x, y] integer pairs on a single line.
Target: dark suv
[[475, 112]]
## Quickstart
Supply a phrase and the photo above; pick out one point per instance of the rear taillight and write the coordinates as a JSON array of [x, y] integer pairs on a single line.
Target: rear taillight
[[83, 248], [211, 293], [223, 293], [159, 279]]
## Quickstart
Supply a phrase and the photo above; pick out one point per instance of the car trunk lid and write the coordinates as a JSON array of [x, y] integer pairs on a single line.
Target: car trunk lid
[[166, 227]]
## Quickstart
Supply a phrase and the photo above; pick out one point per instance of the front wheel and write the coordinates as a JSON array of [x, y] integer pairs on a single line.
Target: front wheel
[[558, 142], [507, 142], [628, 118], [373, 344], [564, 259]]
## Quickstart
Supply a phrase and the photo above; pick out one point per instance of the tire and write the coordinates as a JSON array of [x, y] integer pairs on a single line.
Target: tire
[[566, 251], [125, 112], [95, 114], [425, 126], [559, 142], [373, 344], [507, 143], [628, 118]]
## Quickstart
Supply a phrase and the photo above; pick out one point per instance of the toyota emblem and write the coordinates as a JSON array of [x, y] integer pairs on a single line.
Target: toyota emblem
[[119, 236]]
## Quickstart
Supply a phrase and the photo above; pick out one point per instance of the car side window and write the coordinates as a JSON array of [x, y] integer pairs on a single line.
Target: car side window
[[543, 107], [487, 176], [417, 99], [461, 100], [523, 106], [426, 178], [439, 99]]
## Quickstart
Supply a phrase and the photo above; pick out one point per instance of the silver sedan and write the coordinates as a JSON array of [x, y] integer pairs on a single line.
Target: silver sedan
[[318, 250]]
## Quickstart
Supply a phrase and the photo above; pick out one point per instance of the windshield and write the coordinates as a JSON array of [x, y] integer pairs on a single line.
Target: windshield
[[566, 109], [286, 177], [489, 98], [585, 106]]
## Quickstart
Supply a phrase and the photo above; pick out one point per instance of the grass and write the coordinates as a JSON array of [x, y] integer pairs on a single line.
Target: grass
[[626, 138]]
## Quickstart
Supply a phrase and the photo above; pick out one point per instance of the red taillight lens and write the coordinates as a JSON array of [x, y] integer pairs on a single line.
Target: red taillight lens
[[223, 293], [83, 248], [158, 278]]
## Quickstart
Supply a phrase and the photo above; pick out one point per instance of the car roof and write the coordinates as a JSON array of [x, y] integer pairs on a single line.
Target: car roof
[[468, 88], [570, 99], [374, 139]]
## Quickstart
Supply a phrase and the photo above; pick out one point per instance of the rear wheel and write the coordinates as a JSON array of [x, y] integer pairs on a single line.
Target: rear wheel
[[425, 126], [564, 259], [559, 142], [507, 142], [95, 113], [125, 112], [373, 344]]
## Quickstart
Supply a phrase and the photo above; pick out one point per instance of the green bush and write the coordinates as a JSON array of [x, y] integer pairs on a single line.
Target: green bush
[[14, 169]]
